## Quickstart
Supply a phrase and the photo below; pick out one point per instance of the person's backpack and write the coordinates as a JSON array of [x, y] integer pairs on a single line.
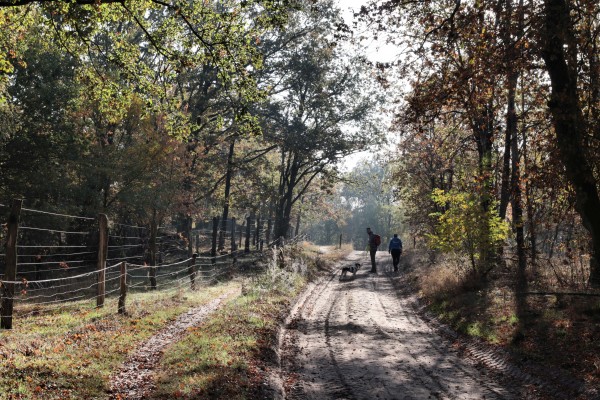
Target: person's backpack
[[376, 240], [396, 244]]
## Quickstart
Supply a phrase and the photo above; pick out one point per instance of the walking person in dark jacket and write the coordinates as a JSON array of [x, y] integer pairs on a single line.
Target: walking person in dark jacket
[[395, 249], [373, 245]]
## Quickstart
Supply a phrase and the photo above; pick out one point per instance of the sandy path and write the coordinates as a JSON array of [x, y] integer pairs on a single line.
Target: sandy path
[[358, 339]]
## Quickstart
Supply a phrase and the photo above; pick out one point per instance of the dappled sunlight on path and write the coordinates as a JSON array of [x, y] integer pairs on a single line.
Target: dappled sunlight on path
[[358, 339]]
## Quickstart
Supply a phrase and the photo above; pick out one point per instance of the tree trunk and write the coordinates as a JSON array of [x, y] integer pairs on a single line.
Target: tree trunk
[[528, 199], [284, 206], [227, 191], [517, 197], [512, 132], [505, 185], [483, 133], [569, 123], [298, 217]]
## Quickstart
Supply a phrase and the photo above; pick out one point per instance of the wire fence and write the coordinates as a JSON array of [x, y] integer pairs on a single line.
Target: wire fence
[[63, 259]]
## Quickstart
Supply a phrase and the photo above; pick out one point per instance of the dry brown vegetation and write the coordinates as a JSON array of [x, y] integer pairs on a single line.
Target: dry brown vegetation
[[551, 331]]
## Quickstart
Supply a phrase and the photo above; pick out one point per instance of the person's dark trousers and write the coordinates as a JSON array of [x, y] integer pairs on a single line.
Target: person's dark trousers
[[396, 258], [373, 266]]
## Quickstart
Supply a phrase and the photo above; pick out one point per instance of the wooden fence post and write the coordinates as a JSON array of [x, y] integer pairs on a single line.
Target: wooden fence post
[[153, 234], [123, 287], [102, 252], [340, 241], [247, 243], [215, 231], [10, 274], [192, 271]]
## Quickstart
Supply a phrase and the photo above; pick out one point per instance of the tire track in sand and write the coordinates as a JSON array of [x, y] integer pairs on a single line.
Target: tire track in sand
[[358, 339]]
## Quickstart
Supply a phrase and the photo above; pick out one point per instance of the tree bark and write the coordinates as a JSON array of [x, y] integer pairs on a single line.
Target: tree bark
[[505, 185], [284, 207], [227, 191], [483, 132], [512, 131], [569, 123]]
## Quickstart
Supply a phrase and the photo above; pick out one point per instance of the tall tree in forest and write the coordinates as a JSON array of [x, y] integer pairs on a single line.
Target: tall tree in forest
[[40, 150], [321, 107], [455, 73], [132, 53], [560, 51]]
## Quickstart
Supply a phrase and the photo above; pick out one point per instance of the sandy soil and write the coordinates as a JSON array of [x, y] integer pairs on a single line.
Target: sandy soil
[[359, 338]]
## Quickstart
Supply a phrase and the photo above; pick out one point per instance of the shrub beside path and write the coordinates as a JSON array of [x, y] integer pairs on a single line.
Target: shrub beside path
[[134, 379], [358, 338]]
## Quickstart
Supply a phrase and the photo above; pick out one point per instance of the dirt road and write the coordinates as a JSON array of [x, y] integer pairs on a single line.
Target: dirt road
[[360, 338]]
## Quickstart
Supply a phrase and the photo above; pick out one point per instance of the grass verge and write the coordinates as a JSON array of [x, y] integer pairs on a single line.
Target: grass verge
[[70, 353], [229, 355]]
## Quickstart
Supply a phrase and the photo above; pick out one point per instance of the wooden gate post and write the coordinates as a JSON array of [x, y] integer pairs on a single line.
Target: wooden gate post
[[123, 288], [102, 252], [10, 273]]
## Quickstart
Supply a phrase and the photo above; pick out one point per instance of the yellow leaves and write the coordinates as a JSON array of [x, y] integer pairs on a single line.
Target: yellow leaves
[[463, 224]]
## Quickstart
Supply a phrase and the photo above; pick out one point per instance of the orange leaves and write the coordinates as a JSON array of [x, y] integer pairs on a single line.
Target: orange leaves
[[25, 285], [59, 348]]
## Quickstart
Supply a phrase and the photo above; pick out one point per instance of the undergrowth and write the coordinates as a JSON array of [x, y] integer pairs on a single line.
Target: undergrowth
[[489, 310]]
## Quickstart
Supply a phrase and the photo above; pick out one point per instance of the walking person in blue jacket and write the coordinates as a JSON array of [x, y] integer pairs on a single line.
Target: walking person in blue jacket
[[395, 249]]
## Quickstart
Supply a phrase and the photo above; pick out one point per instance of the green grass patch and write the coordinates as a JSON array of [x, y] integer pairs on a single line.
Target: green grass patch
[[70, 353], [225, 357], [473, 314]]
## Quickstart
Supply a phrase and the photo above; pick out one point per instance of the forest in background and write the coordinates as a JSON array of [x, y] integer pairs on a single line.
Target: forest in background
[[151, 111]]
